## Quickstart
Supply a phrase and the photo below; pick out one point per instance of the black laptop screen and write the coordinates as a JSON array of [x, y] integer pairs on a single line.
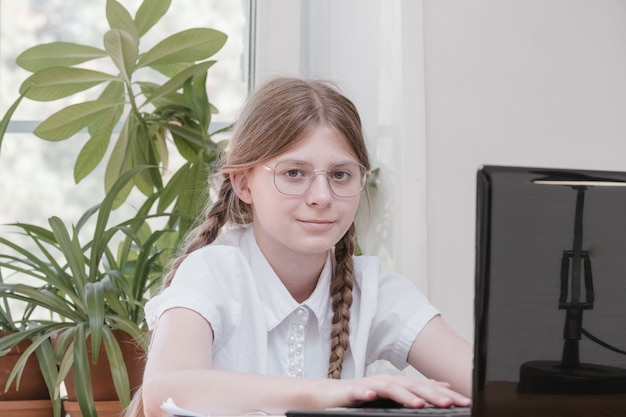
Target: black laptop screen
[[551, 281]]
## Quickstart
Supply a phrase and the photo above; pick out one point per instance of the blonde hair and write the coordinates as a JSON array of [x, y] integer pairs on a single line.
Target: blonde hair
[[276, 116]]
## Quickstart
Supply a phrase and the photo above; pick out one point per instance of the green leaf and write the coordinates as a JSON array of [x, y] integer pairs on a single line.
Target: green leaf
[[82, 376], [197, 100], [193, 194], [92, 153], [189, 141], [144, 153], [169, 70], [188, 188], [119, 18], [49, 370], [118, 367], [119, 159], [58, 82], [4, 123], [111, 294], [176, 82], [112, 92], [94, 300], [45, 299], [123, 49], [16, 372], [149, 13], [101, 238], [187, 46], [70, 120], [72, 252], [57, 54]]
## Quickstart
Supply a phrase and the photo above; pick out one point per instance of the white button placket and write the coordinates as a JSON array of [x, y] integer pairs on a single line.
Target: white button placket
[[295, 342]]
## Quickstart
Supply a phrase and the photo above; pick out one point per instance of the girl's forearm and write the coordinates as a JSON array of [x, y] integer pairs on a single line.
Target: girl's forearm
[[218, 392]]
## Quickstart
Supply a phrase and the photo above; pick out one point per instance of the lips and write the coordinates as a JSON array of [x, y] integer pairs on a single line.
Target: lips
[[317, 224], [317, 221]]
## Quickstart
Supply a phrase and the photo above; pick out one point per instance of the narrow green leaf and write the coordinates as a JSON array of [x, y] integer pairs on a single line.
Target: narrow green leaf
[[58, 82], [123, 49], [86, 216], [119, 160], [4, 123], [72, 119], [149, 13], [189, 141], [169, 70], [108, 203], [118, 367], [187, 46], [143, 265], [82, 376], [174, 187], [64, 349], [92, 153], [197, 100], [176, 82], [45, 299], [191, 197], [111, 294], [94, 300], [49, 370], [16, 372], [143, 153], [57, 54], [72, 252], [164, 103], [119, 18], [113, 92]]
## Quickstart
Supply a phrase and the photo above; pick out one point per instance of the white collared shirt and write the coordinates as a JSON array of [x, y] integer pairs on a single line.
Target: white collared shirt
[[259, 328]]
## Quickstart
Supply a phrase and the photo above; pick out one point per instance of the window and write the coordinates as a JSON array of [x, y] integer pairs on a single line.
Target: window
[[36, 177]]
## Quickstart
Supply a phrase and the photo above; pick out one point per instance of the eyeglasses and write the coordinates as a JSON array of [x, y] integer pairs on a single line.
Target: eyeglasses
[[345, 179]]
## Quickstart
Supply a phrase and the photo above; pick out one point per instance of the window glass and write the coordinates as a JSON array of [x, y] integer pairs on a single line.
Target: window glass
[[36, 177]]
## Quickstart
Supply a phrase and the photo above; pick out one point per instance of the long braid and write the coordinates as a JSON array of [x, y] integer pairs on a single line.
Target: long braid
[[208, 230], [341, 296]]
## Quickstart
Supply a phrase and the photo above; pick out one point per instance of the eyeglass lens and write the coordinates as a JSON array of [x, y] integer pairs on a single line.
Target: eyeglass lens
[[345, 179]]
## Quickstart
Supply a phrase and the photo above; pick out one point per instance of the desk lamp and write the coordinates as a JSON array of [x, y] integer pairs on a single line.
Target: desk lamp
[[570, 375]]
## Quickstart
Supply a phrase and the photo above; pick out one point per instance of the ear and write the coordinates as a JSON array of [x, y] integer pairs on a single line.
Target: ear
[[239, 181]]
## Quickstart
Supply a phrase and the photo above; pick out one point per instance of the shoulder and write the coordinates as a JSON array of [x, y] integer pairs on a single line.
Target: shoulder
[[229, 248], [373, 282]]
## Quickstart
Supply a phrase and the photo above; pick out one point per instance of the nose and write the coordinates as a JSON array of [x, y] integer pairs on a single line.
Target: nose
[[319, 192]]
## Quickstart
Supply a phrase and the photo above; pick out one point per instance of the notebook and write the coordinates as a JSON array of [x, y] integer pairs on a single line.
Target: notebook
[[550, 297]]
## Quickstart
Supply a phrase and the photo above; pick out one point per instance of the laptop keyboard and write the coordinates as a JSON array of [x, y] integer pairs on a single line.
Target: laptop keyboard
[[426, 411]]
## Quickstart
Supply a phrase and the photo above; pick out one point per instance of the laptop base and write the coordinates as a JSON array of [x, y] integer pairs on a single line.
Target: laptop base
[[551, 377]]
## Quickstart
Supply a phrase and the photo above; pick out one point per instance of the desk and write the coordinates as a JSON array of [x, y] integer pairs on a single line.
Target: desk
[[501, 399]]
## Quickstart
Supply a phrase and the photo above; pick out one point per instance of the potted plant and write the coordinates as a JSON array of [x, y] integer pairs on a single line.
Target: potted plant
[[93, 290], [23, 389], [157, 96]]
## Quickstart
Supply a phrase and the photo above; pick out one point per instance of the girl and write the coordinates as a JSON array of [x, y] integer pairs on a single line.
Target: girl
[[266, 308]]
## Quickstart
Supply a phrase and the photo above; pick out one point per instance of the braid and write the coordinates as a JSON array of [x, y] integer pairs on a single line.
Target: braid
[[206, 232], [341, 296]]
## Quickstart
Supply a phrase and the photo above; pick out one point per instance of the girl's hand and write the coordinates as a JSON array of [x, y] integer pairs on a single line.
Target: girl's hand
[[407, 391]]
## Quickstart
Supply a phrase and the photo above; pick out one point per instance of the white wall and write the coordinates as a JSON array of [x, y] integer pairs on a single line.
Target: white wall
[[521, 82], [447, 85], [374, 50]]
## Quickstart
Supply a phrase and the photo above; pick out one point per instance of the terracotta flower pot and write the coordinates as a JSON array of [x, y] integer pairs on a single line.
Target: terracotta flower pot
[[32, 398], [26, 408], [103, 408], [101, 379]]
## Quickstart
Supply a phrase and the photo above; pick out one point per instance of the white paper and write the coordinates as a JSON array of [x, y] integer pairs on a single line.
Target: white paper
[[175, 410]]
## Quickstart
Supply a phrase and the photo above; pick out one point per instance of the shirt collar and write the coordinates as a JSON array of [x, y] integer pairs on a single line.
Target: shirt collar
[[277, 301]]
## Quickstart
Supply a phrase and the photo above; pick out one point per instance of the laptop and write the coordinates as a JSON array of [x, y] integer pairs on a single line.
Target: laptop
[[550, 297]]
